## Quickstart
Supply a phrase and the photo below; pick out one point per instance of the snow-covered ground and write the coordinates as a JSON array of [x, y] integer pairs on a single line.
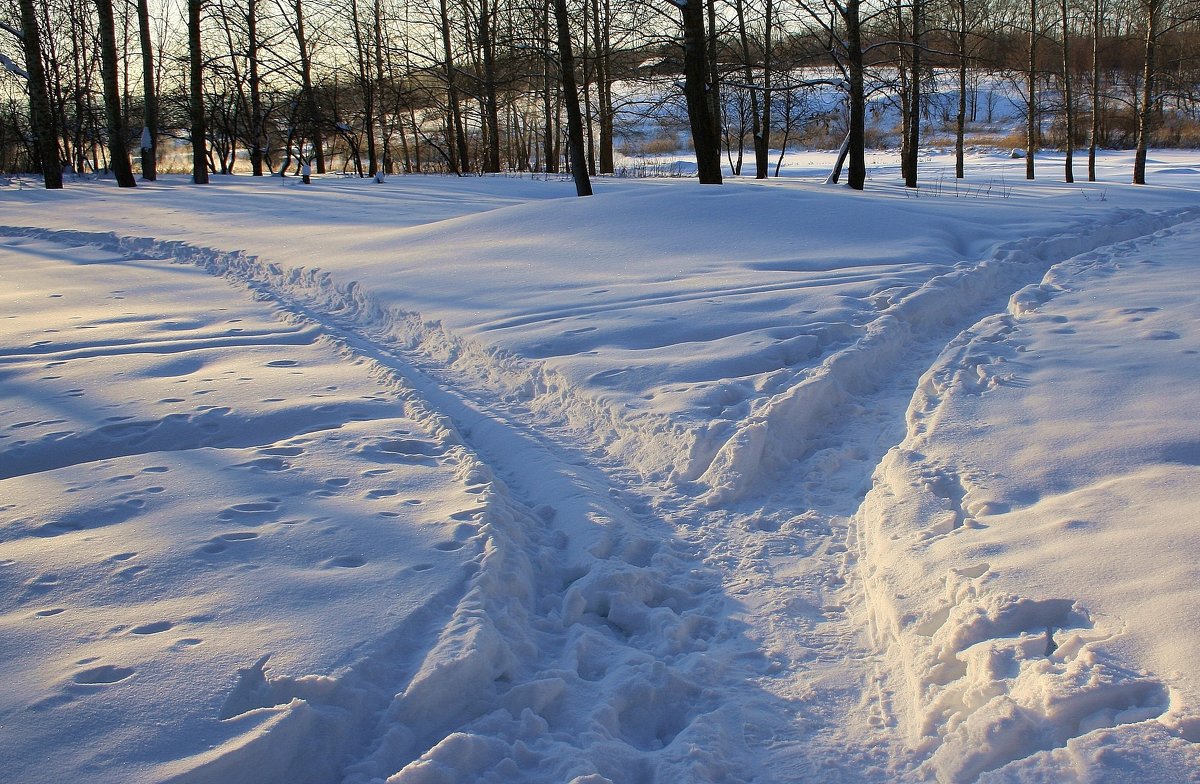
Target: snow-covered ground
[[445, 480]]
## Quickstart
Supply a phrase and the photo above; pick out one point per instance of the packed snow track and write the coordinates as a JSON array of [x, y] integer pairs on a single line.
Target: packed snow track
[[264, 520]]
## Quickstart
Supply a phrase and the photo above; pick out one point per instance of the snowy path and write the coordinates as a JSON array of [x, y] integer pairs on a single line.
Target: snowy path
[[792, 563], [999, 670], [725, 621], [195, 489], [585, 645]]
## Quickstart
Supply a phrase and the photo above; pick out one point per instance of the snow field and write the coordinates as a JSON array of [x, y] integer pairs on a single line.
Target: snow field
[[198, 486], [639, 428], [604, 594], [998, 661]]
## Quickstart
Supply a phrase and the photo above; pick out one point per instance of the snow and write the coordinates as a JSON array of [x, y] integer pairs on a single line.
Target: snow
[[443, 479]]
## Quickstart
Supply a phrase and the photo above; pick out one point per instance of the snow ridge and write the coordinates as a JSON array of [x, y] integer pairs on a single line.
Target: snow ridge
[[581, 649], [724, 462], [982, 677], [593, 646], [782, 428]]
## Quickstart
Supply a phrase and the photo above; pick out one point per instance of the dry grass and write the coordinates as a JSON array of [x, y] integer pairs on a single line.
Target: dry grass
[[663, 143], [1001, 141], [1177, 132]]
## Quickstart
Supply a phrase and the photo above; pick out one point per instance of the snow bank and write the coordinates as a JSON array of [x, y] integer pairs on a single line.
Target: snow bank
[[781, 430], [468, 482], [1028, 550], [472, 641]]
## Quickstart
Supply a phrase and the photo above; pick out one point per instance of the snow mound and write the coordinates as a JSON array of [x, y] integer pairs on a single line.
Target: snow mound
[[1017, 657]]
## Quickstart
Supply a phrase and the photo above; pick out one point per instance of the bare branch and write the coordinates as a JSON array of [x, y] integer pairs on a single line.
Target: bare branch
[[12, 67]]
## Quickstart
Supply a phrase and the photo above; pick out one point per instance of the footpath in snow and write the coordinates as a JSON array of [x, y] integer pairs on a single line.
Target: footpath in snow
[[515, 488], [1029, 549]]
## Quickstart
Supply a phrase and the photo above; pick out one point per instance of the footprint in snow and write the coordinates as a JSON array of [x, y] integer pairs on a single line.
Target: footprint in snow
[[375, 495], [129, 572], [282, 451], [219, 544], [42, 583], [410, 447], [344, 562], [155, 627], [264, 465], [103, 675], [249, 509]]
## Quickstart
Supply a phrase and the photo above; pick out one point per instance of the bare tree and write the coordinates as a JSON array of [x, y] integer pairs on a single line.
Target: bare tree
[[45, 134], [1031, 98], [696, 90], [841, 25], [118, 149], [459, 158], [1094, 133], [1145, 115], [579, 170], [149, 144], [258, 136], [1068, 98], [960, 123], [196, 79]]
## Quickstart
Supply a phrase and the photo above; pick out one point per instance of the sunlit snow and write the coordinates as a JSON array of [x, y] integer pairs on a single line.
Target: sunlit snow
[[448, 480]]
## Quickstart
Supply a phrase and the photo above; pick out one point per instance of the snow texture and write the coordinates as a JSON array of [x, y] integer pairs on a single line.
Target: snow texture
[[445, 480]]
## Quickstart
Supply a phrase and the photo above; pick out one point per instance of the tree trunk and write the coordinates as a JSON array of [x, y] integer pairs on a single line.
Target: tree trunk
[[1146, 107], [549, 151], [1068, 102], [45, 136], [196, 62], [589, 138], [457, 146], [1031, 111], [258, 142], [308, 93], [1094, 134], [583, 186], [150, 98], [362, 53], [716, 109], [835, 174], [913, 142], [696, 90], [385, 129], [902, 76], [118, 148], [491, 106], [739, 8], [604, 82], [960, 125], [762, 140], [856, 176]]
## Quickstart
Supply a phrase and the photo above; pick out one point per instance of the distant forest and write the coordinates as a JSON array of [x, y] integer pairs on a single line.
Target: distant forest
[[374, 87]]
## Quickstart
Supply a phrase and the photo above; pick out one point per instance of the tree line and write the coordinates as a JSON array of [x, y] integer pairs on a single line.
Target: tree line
[[376, 87]]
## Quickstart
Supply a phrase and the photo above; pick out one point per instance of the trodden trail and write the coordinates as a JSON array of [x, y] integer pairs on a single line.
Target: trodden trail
[[713, 627]]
